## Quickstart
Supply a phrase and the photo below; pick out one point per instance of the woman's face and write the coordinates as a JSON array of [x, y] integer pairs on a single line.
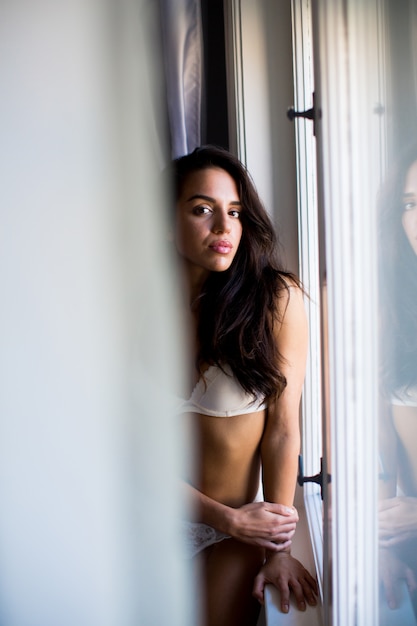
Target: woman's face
[[409, 217], [208, 225]]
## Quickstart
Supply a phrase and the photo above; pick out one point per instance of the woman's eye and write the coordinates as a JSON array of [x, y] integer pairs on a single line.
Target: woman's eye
[[201, 210], [409, 206], [234, 213]]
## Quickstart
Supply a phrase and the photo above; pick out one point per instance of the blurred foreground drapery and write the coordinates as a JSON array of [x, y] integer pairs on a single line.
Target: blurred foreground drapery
[[90, 341]]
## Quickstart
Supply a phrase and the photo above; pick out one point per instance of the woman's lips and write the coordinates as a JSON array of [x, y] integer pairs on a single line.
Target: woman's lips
[[222, 247]]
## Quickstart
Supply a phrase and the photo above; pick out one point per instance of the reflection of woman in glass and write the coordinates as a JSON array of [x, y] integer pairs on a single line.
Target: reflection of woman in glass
[[398, 347]]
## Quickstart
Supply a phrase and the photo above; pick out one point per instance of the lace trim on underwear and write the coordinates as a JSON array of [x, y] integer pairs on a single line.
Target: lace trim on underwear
[[199, 536]]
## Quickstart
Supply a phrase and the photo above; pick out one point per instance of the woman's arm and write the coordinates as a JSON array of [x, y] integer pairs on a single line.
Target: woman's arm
[[397, 521], [268, 525], [387, 453], [280, 449], [281, 440]]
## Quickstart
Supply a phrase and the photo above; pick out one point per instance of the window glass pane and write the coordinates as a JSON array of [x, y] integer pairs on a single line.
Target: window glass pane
[[398, 327]]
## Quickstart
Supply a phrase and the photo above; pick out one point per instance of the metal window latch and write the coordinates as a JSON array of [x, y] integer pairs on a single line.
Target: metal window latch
[[317, 478], [310, 114]]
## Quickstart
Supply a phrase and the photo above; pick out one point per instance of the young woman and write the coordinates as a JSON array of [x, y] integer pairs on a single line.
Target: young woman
[[249, 340], [398, 348]]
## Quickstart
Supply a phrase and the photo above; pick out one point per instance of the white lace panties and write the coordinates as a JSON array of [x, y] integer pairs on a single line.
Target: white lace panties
[[199, 536]]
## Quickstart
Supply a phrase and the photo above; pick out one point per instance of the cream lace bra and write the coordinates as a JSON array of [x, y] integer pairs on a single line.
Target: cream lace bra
[[219, 394], [406, 396]]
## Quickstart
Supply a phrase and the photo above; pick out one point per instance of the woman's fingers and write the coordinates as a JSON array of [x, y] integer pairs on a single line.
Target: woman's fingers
[[282, 509], [288, 576], [274, 546], [271, 526], [267, 520]]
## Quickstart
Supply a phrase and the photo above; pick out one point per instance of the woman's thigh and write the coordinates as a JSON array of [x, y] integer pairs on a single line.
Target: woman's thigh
[[229, 570]]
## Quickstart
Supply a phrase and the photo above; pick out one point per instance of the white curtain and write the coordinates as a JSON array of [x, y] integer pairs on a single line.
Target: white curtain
[[183, 51]]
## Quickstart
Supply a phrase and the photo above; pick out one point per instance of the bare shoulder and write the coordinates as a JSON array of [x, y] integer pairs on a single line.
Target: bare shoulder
[[290, 304], [291, 327]]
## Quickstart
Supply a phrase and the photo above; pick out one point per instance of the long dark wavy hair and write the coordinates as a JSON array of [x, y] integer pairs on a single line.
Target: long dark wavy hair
[[397, 283], [237, 308]]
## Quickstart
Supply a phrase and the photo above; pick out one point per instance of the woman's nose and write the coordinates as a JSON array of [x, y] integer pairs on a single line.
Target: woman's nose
[[221, 223]]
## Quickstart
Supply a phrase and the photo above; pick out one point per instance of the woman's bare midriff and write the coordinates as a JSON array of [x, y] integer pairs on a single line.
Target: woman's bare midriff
[[227, 456]]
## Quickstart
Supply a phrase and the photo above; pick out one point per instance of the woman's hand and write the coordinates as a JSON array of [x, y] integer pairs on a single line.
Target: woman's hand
[[397, 521], [264, 524], [286, 574], [392, 572]]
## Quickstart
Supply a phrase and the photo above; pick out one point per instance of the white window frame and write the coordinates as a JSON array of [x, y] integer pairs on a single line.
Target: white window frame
[[309, 271], [351, 144]]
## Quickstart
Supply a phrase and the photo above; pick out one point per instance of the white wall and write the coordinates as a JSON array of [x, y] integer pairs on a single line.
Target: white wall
[[90, 341], [268, 91]]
